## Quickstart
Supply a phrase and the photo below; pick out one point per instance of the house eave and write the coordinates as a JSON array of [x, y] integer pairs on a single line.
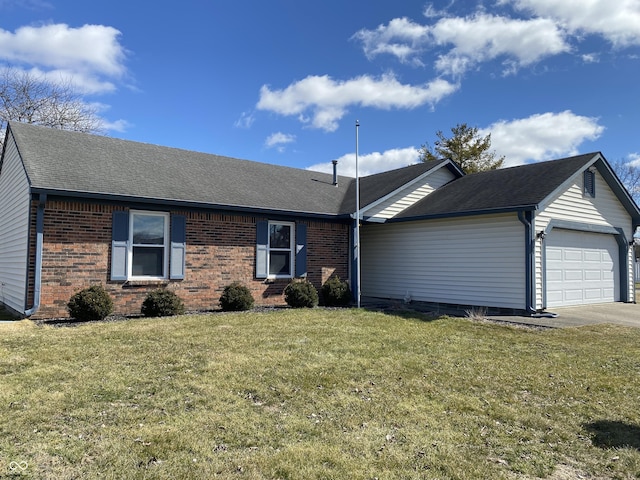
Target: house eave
[[449, 165], [135, 201], [466, 213]]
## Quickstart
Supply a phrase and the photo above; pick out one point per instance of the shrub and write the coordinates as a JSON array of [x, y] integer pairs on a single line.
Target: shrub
[[336, 293], [93, 303], [301, 294], [162, 303], [236, 297]]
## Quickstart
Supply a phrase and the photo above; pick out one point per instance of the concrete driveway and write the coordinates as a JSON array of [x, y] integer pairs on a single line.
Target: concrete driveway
[[627, 314]]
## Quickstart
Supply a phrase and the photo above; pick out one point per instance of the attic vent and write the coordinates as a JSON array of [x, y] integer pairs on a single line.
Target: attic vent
[[590, 183]]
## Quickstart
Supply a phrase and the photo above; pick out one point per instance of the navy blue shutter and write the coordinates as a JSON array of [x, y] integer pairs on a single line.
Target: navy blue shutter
[[178, 247], [262, 249], [119, 245], [301, 250]]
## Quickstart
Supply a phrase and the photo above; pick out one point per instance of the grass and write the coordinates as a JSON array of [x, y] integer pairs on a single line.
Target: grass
[[318, 394]]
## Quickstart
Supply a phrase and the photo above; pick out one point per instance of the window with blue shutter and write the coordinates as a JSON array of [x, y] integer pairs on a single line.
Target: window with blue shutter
[[281, 250], [147, 245]]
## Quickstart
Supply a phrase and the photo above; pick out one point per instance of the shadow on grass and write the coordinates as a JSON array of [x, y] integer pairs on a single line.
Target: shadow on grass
[[614, 434], [399, 309]]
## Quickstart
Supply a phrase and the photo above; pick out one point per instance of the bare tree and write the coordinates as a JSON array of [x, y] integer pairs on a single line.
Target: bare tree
[[629, 175], [465, 147], [32, 98]]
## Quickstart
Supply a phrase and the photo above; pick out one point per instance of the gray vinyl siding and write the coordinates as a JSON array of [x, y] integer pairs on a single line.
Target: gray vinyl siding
[[14, 229], [572, 205], [466, 261], [400, 200]]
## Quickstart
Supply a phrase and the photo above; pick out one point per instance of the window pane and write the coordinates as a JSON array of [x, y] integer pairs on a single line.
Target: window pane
[[148, 229], [279, 263], [148, 261], [279, 236]]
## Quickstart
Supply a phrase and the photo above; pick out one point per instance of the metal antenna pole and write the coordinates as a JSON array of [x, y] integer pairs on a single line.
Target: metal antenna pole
[[358, 293]]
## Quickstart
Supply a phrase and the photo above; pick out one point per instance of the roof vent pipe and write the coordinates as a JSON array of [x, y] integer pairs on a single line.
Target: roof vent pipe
[[335, 172]]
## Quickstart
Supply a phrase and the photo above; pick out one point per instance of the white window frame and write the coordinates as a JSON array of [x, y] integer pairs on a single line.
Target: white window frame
[[165, 245], [291, 250]]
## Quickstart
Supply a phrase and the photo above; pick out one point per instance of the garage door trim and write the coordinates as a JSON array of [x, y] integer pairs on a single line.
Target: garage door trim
[[623, 251]]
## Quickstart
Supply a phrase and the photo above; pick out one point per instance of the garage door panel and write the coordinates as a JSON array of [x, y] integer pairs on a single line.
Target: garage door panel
[[581, 268], [571, 255], [593, 275], [593, 256], [554, 254], [593, 293], [572, 295], [572, 275]]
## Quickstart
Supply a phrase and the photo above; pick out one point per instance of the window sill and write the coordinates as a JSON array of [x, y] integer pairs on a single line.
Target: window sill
[[146, 282]]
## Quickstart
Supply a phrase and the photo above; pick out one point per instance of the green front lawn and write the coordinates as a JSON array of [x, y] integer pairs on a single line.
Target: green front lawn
[[317, 394]]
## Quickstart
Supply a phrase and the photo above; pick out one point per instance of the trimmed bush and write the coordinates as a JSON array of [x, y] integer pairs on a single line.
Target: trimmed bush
[[336, 293], [93, 303], [301, 294], [236, 297], [162, 303]]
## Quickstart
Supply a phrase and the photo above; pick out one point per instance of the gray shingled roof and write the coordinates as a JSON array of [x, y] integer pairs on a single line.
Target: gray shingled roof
[[498, 190], [374, 187], [91, 165], [72, 162]]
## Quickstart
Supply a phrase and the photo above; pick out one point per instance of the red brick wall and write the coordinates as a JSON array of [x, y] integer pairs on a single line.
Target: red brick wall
[[220, 250]]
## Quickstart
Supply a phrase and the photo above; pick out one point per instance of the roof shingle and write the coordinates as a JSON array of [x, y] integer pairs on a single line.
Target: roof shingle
[[91, 165], [73, 162], [502, 189]]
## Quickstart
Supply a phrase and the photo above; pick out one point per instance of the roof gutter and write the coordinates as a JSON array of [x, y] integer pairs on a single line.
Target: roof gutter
[[39, 248], [464, 213], [143, 202], [526, 218]]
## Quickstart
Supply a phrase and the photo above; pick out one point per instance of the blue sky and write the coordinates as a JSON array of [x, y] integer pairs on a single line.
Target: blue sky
[[284, 81]]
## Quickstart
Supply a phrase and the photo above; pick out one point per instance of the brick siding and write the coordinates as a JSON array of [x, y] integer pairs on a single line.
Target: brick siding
[[220, 249]]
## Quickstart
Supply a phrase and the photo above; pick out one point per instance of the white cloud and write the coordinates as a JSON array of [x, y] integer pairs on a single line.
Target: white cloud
[[538, 137], [279, 139], [90, 56], [371, 163], [116, 125], [401, 38], [473, 39], [328, 99], [483, 37], [633, 159], [617, 21], [541, 136], [432, 12], [463, 42], [245, 121], [590, 58]]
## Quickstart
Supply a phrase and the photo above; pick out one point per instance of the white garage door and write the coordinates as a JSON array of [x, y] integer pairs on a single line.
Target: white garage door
[[582, 268]]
